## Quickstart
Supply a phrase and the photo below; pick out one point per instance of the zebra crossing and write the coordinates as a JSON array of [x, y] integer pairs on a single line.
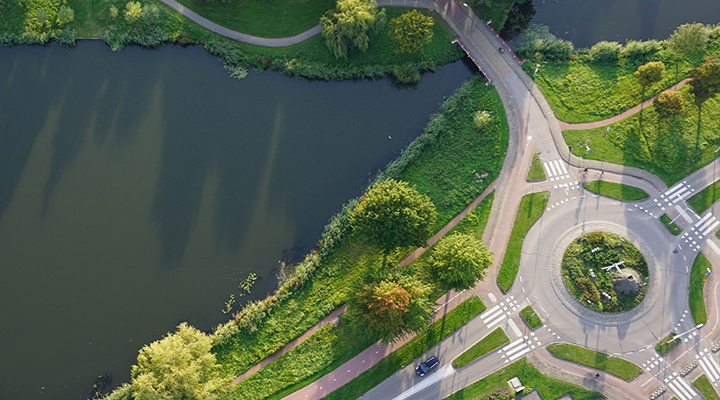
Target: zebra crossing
[[519, 348], [500, 312], [709, 365], [672, 196], [653, 362], [682, 389], [556, 170], [694, 237]]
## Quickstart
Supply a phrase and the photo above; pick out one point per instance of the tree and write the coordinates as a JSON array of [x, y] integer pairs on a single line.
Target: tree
[[391, 308], [668, 104], [392, 214], [705, 80], [650, 73], [133, 11], [178, 366], [458, 261], [65, 15], [411, 30], [689, 39], [352, 22]]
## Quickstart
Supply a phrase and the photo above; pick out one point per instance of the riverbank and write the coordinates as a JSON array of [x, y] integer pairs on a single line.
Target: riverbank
[[151, 23]]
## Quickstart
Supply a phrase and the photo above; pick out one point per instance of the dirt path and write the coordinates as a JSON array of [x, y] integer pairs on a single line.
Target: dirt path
[[597, 124]]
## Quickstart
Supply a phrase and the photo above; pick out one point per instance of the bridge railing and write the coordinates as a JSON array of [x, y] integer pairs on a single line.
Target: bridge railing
[[462, 45]]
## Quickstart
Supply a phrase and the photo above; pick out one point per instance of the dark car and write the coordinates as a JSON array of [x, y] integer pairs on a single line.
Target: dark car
[[427, 366]]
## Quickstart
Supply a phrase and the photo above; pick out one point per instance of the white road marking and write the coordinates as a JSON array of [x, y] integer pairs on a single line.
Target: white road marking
[[713, 246], [682, 212], [441, 374], [514, 328], [492, 297]]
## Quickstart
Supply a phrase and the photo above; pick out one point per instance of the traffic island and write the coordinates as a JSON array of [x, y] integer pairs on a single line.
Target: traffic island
[[605, 272]]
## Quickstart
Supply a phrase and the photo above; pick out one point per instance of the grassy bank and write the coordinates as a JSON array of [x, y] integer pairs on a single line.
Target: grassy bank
[[674, 229], [616, 190], [703, 385], [697, 284], [263, 18], [671, 148], [582, 90], [667, 343], [705, 198], [489, 343], [616, 366], [530, 317], [158, 24], [531, 378], [433, 165], [531, 207], [408, 352]]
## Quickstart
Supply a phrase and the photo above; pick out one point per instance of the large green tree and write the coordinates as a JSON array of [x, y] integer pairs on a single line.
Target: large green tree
[[391, 308], [705, 80], [458, 261], [650, 73], [411, 30], [689, 39], [392, 214], [668, 104], [178, 366], [351, 23]]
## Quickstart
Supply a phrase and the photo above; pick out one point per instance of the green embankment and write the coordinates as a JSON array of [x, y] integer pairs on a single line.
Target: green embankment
[[697, 284], [431, 164], [536, 171], [531, 207], [530, 317], [672, 227], [705, 198], [667, 343], [264, 18], [703, 385], [616, 190], [531, 378], [614, 365], [489, 343]]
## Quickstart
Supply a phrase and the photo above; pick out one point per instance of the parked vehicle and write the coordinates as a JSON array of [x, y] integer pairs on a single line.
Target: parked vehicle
[[427, 366]]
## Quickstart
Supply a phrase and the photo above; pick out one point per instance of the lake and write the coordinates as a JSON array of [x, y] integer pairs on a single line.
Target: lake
[[586, 22], [138, 188]]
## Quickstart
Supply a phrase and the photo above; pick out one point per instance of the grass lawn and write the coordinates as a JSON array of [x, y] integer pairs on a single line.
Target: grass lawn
[[616, 190], [530, 317], [616, 366], [697, 284], [579, 90], [531, 378], [408, 352], [705, 198], [665, 345], [489, 343], [264, 18], [674, 229], [531, 207], [703, 385], [669, 148], [536, 172]]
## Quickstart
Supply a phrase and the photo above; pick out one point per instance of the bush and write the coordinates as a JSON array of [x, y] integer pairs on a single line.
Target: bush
[[65, 37], [406, 73], [605, 52], [639, 50], [588, 289], [552, 49]]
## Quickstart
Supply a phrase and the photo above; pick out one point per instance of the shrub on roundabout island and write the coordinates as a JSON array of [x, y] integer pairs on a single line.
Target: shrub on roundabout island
[[612, 290]]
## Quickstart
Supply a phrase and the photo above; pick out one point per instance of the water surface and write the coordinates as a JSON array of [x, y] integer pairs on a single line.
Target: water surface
[[137, 189]]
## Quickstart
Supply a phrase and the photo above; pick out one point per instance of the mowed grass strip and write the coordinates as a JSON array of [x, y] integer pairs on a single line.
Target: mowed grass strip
[[705, 198], [536, 171], [703, 385], [411, 350], [616, 366], [531, 378], [672, 227], [489, 343], [697, 284], [531, 208], [530, 317], [616, 190], [264, 18]]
